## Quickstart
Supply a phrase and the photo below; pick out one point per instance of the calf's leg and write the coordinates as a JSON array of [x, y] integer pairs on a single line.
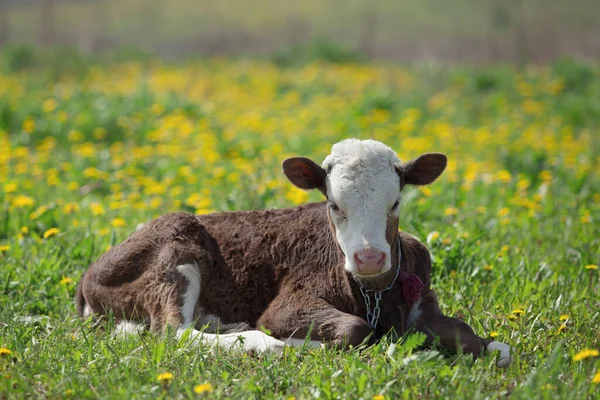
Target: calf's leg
[[292, 317], [453, 334]]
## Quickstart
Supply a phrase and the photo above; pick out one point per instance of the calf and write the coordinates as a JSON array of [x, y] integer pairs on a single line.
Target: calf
[[338, 271]]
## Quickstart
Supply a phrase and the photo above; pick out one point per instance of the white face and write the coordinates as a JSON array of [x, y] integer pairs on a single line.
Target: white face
[[361, 180], [363, 190]]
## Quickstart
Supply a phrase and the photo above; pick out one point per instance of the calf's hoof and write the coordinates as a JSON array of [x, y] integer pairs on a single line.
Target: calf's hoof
[[504, 359]]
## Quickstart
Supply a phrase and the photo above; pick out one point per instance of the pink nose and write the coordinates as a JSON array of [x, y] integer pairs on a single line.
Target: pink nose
[[369, 261]]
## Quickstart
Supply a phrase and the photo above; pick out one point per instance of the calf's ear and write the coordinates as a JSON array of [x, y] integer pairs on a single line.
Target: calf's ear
[[305, 173], [422, 170]]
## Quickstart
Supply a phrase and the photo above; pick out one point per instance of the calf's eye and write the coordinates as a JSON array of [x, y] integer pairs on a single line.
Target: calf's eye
[[395, 206], [334, 207]]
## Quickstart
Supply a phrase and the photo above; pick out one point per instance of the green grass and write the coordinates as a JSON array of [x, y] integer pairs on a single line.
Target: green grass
[[95, 153]]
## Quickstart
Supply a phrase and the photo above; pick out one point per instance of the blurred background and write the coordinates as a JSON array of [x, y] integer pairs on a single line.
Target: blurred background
[[458, 31]]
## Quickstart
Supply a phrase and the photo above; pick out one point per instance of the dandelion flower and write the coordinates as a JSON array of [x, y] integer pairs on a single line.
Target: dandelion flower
[[596, 378], [378, 397], [488, 267], [433, 236], [591, 267], [66, 281], [518, 311], [494, 335], [118, 223], [165, 377], [564, 317], [5, 352], [51, 232], [586, 353], [450, 211], [4, 248], [203, 388]]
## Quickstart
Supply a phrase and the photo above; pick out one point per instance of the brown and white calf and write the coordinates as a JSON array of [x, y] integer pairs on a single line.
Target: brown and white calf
[[338, 271]]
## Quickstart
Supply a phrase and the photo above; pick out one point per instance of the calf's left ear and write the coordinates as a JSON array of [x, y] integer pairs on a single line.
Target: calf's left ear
[[422, 170], [305, 173]]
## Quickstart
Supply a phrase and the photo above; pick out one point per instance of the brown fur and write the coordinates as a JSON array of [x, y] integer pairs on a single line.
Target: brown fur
[[281, 269]]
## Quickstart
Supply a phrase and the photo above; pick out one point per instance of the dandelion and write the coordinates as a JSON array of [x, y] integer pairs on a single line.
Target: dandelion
[[4, 352], [503, 212], [561, 328], [49, 105], [51, 232], [586, 353], [4, 248], [10, 188], [165, 378], [118, 223], [378, 397], [22, 201], [564, 317], [488, 267], [203, 388], [591, 267], [66, 281], [596, 378], [28, 125], [97, 209], [450, 211], [518, 311], [494, 335], [433, 236]]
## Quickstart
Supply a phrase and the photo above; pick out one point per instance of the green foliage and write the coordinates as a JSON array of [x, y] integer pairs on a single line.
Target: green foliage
[[319, 49]]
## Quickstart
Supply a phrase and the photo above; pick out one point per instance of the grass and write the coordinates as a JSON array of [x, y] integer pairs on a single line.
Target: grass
[[512, 224]]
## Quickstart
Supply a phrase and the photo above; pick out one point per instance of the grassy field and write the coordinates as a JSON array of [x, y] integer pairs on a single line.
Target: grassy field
[[513, 224]]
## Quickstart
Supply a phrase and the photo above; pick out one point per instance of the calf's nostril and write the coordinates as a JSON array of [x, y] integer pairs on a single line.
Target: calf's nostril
[[357, 259]]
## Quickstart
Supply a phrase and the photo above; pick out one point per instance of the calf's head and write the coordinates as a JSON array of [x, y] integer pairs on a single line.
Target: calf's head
[[362, 181]]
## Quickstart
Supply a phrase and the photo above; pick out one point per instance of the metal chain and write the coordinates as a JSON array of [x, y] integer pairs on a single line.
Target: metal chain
[[373, 315]]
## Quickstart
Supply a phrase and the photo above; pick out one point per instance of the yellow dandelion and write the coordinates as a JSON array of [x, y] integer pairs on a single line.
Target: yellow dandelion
[[561, 328], [5, 352], [512, 317], [118, 223], [433, 236], [51, 232], [450, 211], [28, 125], [49, 105], [446, 241], [97, 209], [545, 175], [10, 188], [22, 201], [596, 378], [586, 353], [66, 281], [564, 317], [378, 397], [203, 388], [494, 334], [591, 267], [4, 248], [503, 212], [165, 377], [518, 311], [488, 267]]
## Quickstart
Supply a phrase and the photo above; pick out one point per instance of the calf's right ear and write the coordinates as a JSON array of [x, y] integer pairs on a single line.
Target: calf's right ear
[[305, 173]]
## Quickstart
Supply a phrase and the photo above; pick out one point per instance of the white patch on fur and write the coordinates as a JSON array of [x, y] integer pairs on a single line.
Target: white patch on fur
[[190, 297], [311, 344], [414, 314], [125, 328], [248, 341], [364, 184], [504, 359], [87, 311]]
